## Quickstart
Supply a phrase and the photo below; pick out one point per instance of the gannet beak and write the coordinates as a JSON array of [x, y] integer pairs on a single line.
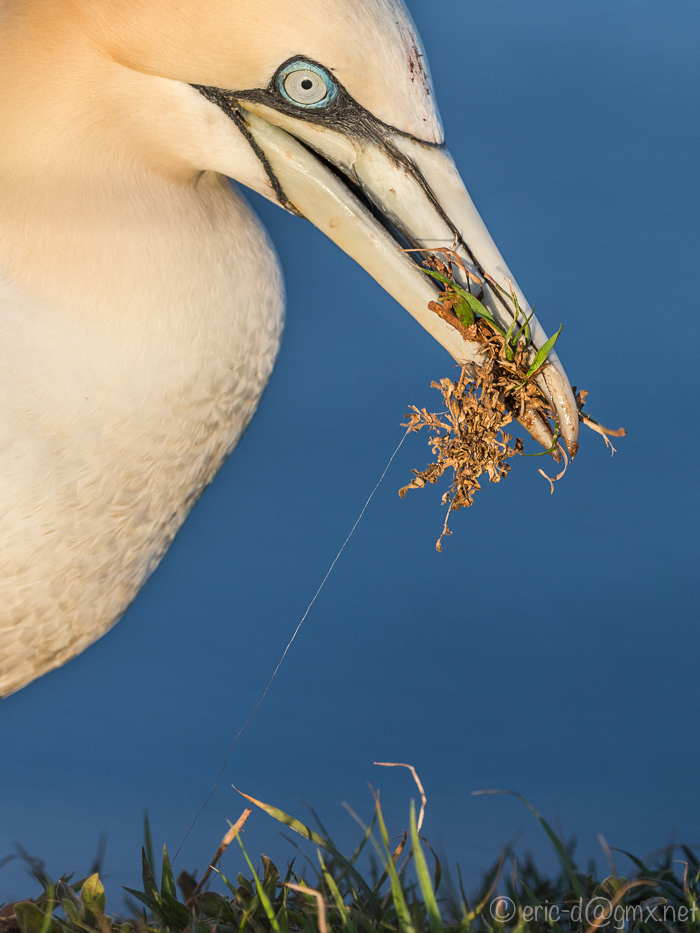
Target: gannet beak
[[376, 193]]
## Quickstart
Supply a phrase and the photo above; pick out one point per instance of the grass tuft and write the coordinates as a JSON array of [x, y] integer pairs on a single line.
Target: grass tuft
[[657, 897], [469, 437]]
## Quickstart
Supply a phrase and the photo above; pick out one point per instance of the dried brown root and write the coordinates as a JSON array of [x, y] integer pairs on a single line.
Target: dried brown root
[[555, 479], [469, 437], [594, 425]]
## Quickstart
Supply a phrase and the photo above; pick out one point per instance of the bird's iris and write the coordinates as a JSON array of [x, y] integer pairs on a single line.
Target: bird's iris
[[307, 85]]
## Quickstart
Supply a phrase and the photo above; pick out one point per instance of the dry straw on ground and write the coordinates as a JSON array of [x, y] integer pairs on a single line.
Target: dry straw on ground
[[469, 436]]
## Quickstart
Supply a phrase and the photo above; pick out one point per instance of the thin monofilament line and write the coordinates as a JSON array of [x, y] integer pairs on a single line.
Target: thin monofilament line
[[291, 642]]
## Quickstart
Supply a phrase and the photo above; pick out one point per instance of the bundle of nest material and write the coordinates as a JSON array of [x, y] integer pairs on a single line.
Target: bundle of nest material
[[469, 437]]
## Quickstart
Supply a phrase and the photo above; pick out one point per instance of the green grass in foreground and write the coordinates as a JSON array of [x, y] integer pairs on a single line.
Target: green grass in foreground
[[408, 892]]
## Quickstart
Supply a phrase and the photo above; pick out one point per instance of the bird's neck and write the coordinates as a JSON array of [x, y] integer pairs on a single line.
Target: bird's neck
[[64, 102], [95, 159]]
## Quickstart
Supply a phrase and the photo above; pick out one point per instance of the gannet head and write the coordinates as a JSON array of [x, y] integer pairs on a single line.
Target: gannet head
[[335, 102]]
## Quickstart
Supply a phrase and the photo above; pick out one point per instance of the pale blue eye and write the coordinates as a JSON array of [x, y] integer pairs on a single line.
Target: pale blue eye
[[306, 85]]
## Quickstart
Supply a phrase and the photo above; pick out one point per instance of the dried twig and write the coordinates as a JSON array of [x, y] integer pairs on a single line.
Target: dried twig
[[605, 433], [421, 791], [555, 479], [320, 901], [223, 846], [608, 854]]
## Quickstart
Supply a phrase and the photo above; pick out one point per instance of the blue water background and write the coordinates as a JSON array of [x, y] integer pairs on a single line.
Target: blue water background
[[553, 647]]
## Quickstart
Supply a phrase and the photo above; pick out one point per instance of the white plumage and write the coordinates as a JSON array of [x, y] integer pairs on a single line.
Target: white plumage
[[140, 301]]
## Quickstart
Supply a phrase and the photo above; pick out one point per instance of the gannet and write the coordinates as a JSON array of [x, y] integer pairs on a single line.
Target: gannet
[[141, 304]]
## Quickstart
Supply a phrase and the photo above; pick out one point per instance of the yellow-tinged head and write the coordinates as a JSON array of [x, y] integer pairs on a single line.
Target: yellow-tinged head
[[371, 47], [325, 106]]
